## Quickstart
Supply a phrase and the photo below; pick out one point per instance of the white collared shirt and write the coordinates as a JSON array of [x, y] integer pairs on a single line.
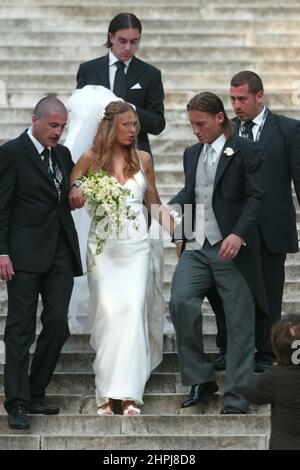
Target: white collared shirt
[[258, 122], [35, 142], [112, 59], [217, 145]]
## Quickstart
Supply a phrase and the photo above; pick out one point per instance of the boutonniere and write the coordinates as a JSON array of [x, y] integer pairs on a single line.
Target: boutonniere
[[228, 152]]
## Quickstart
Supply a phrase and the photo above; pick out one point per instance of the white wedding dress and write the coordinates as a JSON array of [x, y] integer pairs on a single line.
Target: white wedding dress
[[84, 107], [117, 307]]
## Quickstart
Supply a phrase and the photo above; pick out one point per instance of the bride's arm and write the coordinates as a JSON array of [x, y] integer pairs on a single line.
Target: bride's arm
[[154, 205], [76, 198]]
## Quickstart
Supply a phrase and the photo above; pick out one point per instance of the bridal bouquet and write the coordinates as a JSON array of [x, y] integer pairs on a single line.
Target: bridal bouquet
[[107, 200]]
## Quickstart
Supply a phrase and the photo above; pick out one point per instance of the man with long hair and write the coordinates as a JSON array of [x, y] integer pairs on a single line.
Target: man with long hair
[[130, 78], [224, 189]]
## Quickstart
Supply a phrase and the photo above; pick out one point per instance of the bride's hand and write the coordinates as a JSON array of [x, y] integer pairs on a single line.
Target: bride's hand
[[76, 198]]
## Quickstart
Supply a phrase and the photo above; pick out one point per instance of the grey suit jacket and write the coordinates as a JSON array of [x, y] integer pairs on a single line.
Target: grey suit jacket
[[237, 202]]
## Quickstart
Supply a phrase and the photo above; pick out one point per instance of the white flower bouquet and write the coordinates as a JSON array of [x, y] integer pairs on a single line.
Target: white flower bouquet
[[107, 201]]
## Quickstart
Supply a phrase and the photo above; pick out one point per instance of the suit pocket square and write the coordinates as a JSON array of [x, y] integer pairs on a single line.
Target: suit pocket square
[[137, 86]]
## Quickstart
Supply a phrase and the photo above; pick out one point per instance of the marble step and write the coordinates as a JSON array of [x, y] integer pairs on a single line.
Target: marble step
[[208, 324], [147, 443], [84, 383], [54, 80], [172, 65], [102, 11], [249, 12], [80, 24], [169, 38], [173, 116], [90, 39], [82, 362], [154, 404], [144, 425], [149, 53], [154, 442], [175, 100]]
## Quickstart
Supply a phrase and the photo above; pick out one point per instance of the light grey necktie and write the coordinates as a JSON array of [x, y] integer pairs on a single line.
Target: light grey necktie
[[209, 160]]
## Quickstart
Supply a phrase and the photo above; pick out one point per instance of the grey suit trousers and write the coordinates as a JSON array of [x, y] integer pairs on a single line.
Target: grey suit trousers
[[196, 272]]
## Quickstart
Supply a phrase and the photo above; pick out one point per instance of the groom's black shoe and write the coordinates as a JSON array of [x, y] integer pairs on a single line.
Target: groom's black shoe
[[39, 407], [200, 393]]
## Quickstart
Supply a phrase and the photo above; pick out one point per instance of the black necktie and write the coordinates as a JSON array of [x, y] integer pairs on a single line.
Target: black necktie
[[120, 88], [248, 125], [46, 160], [54, 170]]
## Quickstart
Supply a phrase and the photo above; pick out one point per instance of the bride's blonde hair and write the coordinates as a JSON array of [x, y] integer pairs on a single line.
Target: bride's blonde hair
[[106, 136]]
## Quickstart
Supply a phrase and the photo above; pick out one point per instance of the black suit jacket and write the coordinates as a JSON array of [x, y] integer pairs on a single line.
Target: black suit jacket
[[148, 100], [280, 145], [30, 214], [280, 386], [237, 201]]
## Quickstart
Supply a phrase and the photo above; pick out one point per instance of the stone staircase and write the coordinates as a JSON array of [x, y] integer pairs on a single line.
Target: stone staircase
[[198, 45]]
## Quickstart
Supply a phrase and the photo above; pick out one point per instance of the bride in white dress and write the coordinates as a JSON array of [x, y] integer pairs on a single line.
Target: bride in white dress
[[118, 281]]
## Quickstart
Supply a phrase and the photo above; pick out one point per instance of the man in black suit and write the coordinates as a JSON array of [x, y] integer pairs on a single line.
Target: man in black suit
[[39, 255], [223, 192], [279, 139], [128, 77]]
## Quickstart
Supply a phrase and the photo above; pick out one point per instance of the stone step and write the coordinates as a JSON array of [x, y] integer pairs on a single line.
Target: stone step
[[208, 326], [154, 404], [22, 115], [175, 100], [155, 442], [84, 383], [99, 26], [183, 67], [143, 425], [151, 25], [102, 11], [113, 442], [148, 53], [169, 38], [90, 39], [249, 12], [53, 81]]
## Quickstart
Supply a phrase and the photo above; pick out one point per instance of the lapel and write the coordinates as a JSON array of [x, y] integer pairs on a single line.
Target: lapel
[[102, 71], [268, 130], [225, 160], [133, 72], [192, 163], [35, 158]]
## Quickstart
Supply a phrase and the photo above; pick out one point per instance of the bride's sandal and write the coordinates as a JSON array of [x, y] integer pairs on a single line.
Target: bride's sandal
[[105, 410], [130, 409]]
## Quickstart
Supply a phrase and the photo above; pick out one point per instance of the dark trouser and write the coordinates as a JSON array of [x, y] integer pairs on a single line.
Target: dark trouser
[[55, 287], [196, 272], [274, 275]]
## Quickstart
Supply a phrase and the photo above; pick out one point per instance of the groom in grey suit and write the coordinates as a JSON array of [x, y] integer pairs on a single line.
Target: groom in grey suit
[[224, 190]]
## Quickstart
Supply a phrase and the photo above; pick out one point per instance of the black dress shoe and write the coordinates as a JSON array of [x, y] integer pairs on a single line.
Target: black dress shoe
[[220, 362], [261, 365], [200, 393], [232, 410], [17, 419], [42, 408]]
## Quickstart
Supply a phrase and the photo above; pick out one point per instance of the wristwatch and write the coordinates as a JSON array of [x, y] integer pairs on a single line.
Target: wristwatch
[[76, 183]]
